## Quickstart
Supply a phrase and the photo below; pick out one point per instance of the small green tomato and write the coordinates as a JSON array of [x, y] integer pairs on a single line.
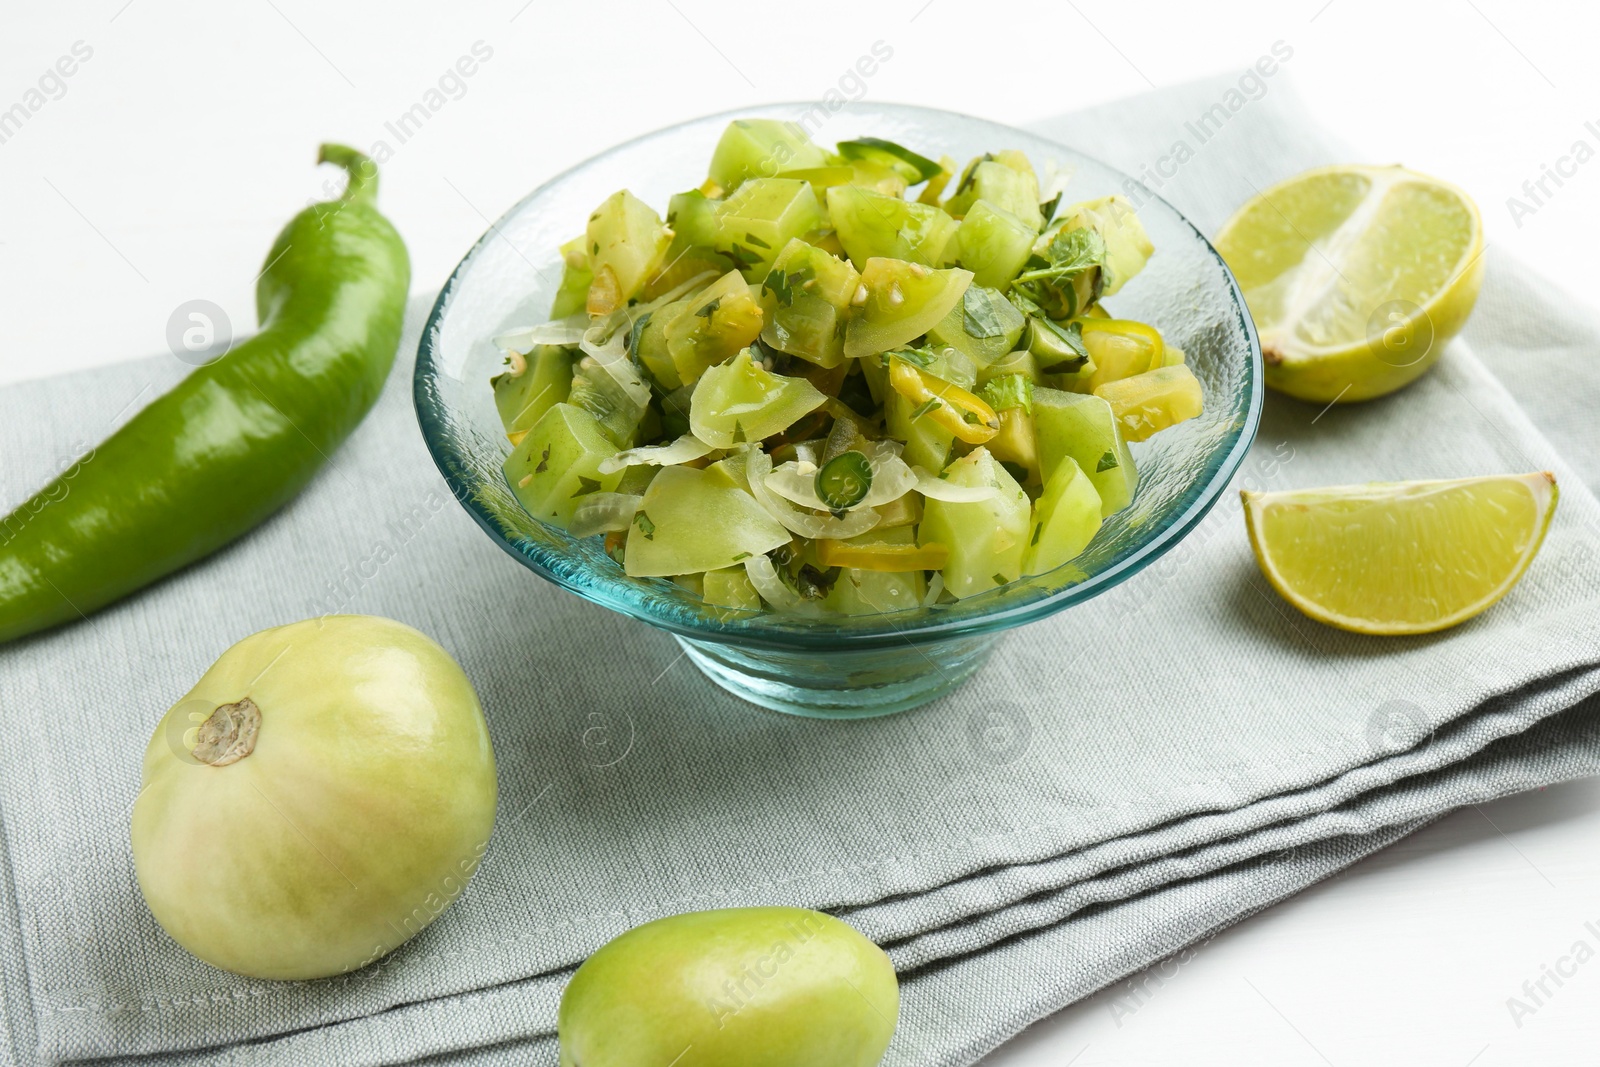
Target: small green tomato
[[324, 791], [780, 987]]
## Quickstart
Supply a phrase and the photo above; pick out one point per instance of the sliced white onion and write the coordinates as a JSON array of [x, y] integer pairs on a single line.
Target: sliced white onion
[[796, 481], [565, 332], [935, 590], [764, 576], [797, 520], [936, 488], [604, 513], [682, 450], [612, 355]]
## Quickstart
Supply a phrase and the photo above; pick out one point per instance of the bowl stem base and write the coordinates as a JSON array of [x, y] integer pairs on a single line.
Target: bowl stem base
[[841, 685]]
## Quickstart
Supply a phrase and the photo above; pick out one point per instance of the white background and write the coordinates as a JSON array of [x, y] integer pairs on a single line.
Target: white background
[[179, 148]]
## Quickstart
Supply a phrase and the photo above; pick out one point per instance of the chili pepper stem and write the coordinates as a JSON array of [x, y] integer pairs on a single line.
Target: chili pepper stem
[[363, 184]]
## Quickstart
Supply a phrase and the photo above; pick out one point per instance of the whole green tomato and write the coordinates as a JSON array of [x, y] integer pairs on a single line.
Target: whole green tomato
[[778, 987], [323, 793]]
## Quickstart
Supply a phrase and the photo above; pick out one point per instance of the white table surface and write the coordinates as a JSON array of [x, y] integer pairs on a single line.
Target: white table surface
[[181, 144]]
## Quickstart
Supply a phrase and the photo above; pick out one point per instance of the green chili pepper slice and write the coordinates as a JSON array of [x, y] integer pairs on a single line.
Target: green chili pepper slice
[[237, 438], [844, 481]]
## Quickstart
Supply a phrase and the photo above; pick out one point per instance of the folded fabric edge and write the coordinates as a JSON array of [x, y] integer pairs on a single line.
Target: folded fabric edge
[[1566, 751], [1507, 717]]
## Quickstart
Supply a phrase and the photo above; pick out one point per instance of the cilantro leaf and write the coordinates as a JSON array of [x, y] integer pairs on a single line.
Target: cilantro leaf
[[586, 486], [1107, 462], [646, 526], [978, 316]]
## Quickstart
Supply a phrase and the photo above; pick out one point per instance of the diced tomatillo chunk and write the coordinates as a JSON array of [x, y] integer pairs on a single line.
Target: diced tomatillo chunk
[[740, 401], [697, 520]]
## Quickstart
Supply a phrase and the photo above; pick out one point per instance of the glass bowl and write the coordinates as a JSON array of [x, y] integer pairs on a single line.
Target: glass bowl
[[852, 666]]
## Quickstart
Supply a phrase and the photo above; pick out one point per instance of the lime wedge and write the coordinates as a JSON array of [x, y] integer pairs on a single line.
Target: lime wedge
[[1400, 557], [1356, 277]]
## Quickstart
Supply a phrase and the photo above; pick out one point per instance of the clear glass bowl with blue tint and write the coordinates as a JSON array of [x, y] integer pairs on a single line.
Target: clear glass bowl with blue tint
[[848, 666]]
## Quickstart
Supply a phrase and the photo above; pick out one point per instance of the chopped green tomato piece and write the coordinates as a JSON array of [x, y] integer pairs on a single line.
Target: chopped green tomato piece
[[844, 481], [534, 384], [1004, 187], [1065, 519], [943, 362], [760, 218], [983, 325], [986, 538], [821, 178], [1128, 247], [628, 240], [1084, 429], [872, 225], [912, 167], [805, 303], [697, 520], [958, 411], [864, 592], [601, 395], [558, 464], [927, 442], [1021, 362], [693, 218], [903, 511], [902, 302], [730, 587], [876, 178], [1148, 403], [1017, 445], [722, 320], [1058, 347], [741, 401], [762, 148], [994, 244], [573, 294], [1120, 349], [650, 349], [936, 185]]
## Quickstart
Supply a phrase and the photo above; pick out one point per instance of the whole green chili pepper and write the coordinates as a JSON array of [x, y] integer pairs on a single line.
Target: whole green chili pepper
[[237, 438]]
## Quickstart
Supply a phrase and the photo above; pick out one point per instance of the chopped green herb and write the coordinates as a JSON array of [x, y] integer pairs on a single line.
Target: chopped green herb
[[751, 238], [1107, 462], [740, 556], [646, 527], [999, 579], [544, 461], [930, 404], [586, 486], [710, 309], [1038, 528], [978, 316], [1008, 391]]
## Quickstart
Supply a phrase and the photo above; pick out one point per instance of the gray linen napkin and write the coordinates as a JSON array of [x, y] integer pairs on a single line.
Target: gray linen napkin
[[1120, 781]]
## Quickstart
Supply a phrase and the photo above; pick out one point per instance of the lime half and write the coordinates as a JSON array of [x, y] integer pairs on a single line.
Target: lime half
[[1400, 557], [1356, 277]]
